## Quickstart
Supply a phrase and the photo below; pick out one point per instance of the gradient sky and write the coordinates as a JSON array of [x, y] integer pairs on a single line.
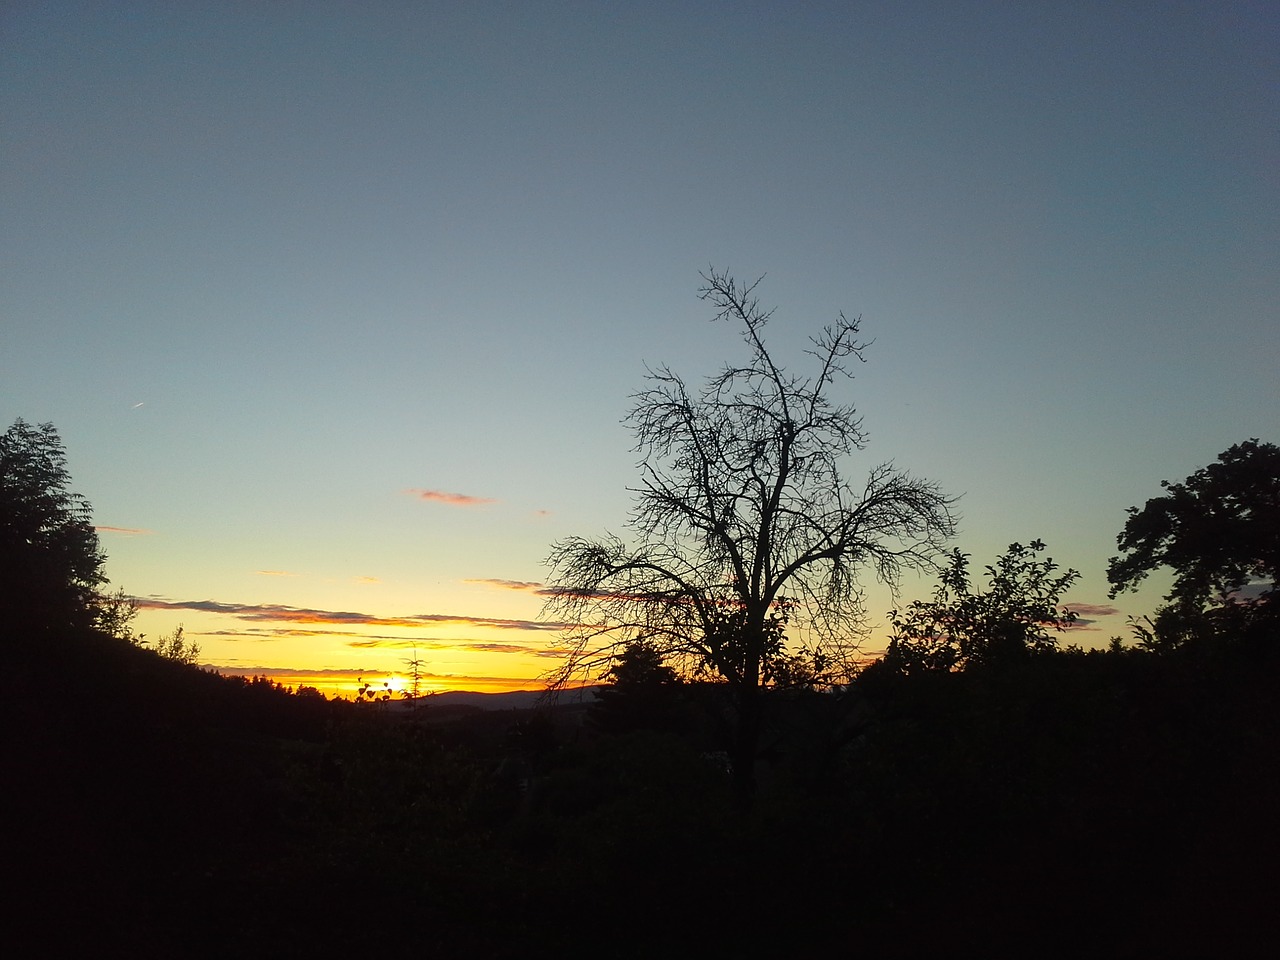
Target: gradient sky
[[337, 306]]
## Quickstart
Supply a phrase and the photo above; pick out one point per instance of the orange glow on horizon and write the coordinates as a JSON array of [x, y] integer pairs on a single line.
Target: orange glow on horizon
[[346, 684]]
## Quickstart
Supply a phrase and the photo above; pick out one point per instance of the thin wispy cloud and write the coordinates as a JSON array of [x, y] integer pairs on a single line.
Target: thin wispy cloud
[[1092, 609], [528, 586], [274, 573], [125, 531], [466, 646], [488, 622], [279, 613], [542, 590], [1087, 615], [367, 580], [450, 499], [268, 634]]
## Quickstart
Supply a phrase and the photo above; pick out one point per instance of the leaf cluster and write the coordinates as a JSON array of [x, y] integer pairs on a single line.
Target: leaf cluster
[[963, 626], [175, 646], [1219, 531], [50, 560]]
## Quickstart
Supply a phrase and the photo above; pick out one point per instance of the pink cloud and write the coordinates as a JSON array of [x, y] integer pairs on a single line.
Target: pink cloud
[[525, 585], [451, 499], [124, 531]]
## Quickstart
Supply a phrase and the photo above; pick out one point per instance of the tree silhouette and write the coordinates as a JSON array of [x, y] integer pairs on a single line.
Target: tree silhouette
[[1220, 533], [642, 691], [50, 562], [114, 614], [963, 627], [745, 524], [175, 646]]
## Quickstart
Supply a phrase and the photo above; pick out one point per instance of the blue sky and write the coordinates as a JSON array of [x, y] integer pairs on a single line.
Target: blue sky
[[272, 268]]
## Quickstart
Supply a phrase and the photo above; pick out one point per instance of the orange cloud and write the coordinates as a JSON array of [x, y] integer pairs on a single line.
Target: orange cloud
[[125, 531], [452, 499]]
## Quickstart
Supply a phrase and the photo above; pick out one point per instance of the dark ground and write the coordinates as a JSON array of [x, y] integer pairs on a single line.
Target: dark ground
[[1108, 805]]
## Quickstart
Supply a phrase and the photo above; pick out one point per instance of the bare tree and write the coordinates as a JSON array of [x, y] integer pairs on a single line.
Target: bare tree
[[745, 526]]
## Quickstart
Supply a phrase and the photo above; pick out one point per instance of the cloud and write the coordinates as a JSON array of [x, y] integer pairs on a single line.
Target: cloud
[[526, 585], [488, 622], [467, 646], [542, 590], [451, 499], [278, 613], [1092, 609], [274, 573], [375, 641], [272, 612], [1087, 615], [367, 580], [125, 531], [1082, 625]]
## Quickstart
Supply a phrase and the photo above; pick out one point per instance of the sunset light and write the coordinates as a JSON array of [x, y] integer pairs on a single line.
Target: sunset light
[[640, 480]]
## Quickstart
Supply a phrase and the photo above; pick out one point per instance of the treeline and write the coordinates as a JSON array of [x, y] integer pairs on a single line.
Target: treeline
[[981, 788], [1114, 803]]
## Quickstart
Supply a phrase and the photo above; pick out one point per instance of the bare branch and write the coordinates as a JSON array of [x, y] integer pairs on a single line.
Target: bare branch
[[744, 525]]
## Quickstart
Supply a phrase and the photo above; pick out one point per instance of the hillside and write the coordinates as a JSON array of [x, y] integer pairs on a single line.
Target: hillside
[[1114, 804]]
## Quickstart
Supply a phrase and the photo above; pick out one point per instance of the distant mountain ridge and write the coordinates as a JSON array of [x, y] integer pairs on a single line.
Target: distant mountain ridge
[[513, 700]]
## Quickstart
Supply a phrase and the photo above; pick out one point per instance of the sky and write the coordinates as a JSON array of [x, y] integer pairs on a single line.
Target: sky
[[338, 307]]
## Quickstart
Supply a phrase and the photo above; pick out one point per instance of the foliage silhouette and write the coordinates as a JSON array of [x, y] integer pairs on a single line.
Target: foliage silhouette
[[1219, 531], [50, 561], [642, 692], [963, 627], [745, 523], [174, 646], [153, 801], [999, 804], [114, 614]]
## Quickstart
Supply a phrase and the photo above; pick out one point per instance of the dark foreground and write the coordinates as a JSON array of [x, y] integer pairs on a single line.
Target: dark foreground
[[1117, 805]]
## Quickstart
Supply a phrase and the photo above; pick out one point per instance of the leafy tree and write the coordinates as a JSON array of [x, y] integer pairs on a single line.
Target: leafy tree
[[174, 646], [1219, 531], [114, 614], [745, 524], [50, 561], [962, 627]]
